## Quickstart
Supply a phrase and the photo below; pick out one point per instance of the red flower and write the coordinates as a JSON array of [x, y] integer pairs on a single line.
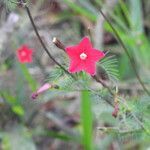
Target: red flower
[[24, 54], [83, 57]]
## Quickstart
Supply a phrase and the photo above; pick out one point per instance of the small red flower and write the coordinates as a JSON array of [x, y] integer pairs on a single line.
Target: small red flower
[[24, 54], [83, 57]]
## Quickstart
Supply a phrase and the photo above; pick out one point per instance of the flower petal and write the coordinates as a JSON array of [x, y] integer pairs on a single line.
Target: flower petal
[[85, 44], [29, 59], [76, 66], [95, 55], [90, 67], [72, 52]]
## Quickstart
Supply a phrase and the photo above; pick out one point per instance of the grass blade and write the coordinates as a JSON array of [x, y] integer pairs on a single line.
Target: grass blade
[[86, 115]]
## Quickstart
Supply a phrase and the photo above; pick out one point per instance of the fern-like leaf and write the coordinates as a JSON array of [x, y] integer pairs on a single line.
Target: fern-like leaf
[[10, 4], [55, 74], [109, 65]]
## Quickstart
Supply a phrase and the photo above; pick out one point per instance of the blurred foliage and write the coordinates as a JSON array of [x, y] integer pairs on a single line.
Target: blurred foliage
[[46, 123]]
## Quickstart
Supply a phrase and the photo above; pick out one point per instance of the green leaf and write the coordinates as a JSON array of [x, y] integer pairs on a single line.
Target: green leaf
[[61, 136], [55, 74], [10, 4], [18, 109], [6, 143], [9, 98], [88, 6], [28, 77], [136, 15], [110, 65], [80, 10]]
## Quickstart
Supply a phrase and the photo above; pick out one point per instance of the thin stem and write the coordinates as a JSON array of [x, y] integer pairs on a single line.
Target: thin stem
[[103, 84], [127, 53], [117, 130], [90, 33], [99, 95], [42, 43]]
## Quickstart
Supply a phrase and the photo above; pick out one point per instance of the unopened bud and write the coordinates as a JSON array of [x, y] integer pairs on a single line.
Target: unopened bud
[[34, 95], [58, 43], [116, 110], [42, 89]]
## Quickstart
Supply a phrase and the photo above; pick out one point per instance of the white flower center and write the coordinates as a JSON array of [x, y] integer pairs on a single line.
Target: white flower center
[[23, 54], [83, 56]]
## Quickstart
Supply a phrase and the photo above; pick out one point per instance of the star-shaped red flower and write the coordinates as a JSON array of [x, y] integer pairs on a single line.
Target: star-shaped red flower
[[24, 54], [83, 57]]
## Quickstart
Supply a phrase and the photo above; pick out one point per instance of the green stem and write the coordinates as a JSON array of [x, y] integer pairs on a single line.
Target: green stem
[[86, 118]]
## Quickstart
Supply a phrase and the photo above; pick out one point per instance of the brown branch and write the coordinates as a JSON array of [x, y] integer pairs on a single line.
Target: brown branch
[[41, 41], [103, 84]]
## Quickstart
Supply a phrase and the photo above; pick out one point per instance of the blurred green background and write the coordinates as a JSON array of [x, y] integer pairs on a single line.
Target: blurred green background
[[67, 119]]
